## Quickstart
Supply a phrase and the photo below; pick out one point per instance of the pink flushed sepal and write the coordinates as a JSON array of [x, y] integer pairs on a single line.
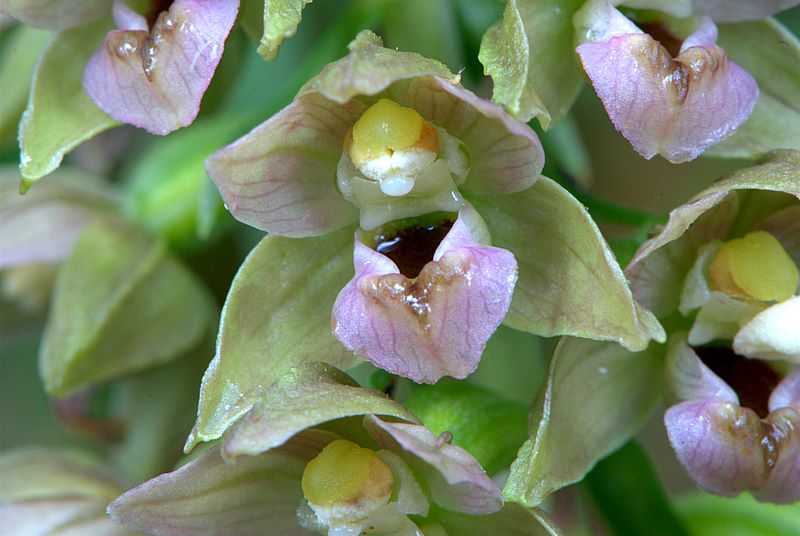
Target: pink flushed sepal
[[676, 107], [155, 79], [436, 324]]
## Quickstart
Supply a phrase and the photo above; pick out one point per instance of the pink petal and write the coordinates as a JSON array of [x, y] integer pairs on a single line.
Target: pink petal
[[688, 378], [676, 108], [456, 480], [281, 177], [435, 325], [156, 80], [719, 445], [727, 449], [506, 155]]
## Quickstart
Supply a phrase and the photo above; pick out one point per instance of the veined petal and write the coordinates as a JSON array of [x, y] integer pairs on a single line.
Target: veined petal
[[456, 479], [435, 325], [506, 155], [688, 378], [673, 107], [773, 333], [155, 80], [209, 497], [55, 14], [281, 177], [787, 393], [719, 444]]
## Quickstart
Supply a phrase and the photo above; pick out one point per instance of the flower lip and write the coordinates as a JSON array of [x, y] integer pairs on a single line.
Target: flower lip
[[753, 380]]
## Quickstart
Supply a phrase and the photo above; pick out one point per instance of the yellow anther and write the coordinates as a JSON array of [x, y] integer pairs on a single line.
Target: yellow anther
[[344, 473], [754, 266], [387, 127]]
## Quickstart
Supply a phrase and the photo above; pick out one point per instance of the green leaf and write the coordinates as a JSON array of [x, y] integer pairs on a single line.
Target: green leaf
[[486, 425], [706, 514], [16, 67], [306, 396], [167, 190], [277, 315], [530, 56], [60, 115], [569, 282], [764, 48], [629, 494], [121, 304], [281, 18], [596, 397]]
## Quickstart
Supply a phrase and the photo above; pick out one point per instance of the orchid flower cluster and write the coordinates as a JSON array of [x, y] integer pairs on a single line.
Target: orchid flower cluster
[[410, 268]]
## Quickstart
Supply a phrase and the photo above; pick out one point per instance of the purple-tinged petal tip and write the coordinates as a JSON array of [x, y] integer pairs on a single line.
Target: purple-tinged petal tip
[[673, 107], [727, 449], [436, 324], [155, 80]]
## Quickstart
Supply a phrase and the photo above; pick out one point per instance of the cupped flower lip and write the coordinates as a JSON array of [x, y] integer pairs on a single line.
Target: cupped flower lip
[[436, 324], [155, 78], [673, 107], [281, 177], [727, 448]]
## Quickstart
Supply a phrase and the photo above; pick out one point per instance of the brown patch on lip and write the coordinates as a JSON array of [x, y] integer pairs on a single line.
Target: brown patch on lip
[[753, 380], [413, 247], [155, 10], [660, 32], [415, 296], [679, 74]]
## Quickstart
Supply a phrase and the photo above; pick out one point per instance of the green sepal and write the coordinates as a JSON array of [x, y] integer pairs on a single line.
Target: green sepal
[[60, 115], [306, 396], [569, 282], [530, 56], [596, 397], [20, 50], [277, 315], [121, 304]]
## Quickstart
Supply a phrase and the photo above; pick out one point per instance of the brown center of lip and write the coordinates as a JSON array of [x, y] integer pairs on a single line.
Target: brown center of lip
[[156, 8], [753, 380], [661, 33], [413, 247]]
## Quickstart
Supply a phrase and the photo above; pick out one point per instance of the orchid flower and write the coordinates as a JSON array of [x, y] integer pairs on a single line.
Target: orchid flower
[[153, 73], [391, 142], [294, 465], [722, 274], [153, 70], [734, 375], [673, 102]]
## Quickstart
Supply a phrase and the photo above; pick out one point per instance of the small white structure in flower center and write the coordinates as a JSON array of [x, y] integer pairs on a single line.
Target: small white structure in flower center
[[397, 165]]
